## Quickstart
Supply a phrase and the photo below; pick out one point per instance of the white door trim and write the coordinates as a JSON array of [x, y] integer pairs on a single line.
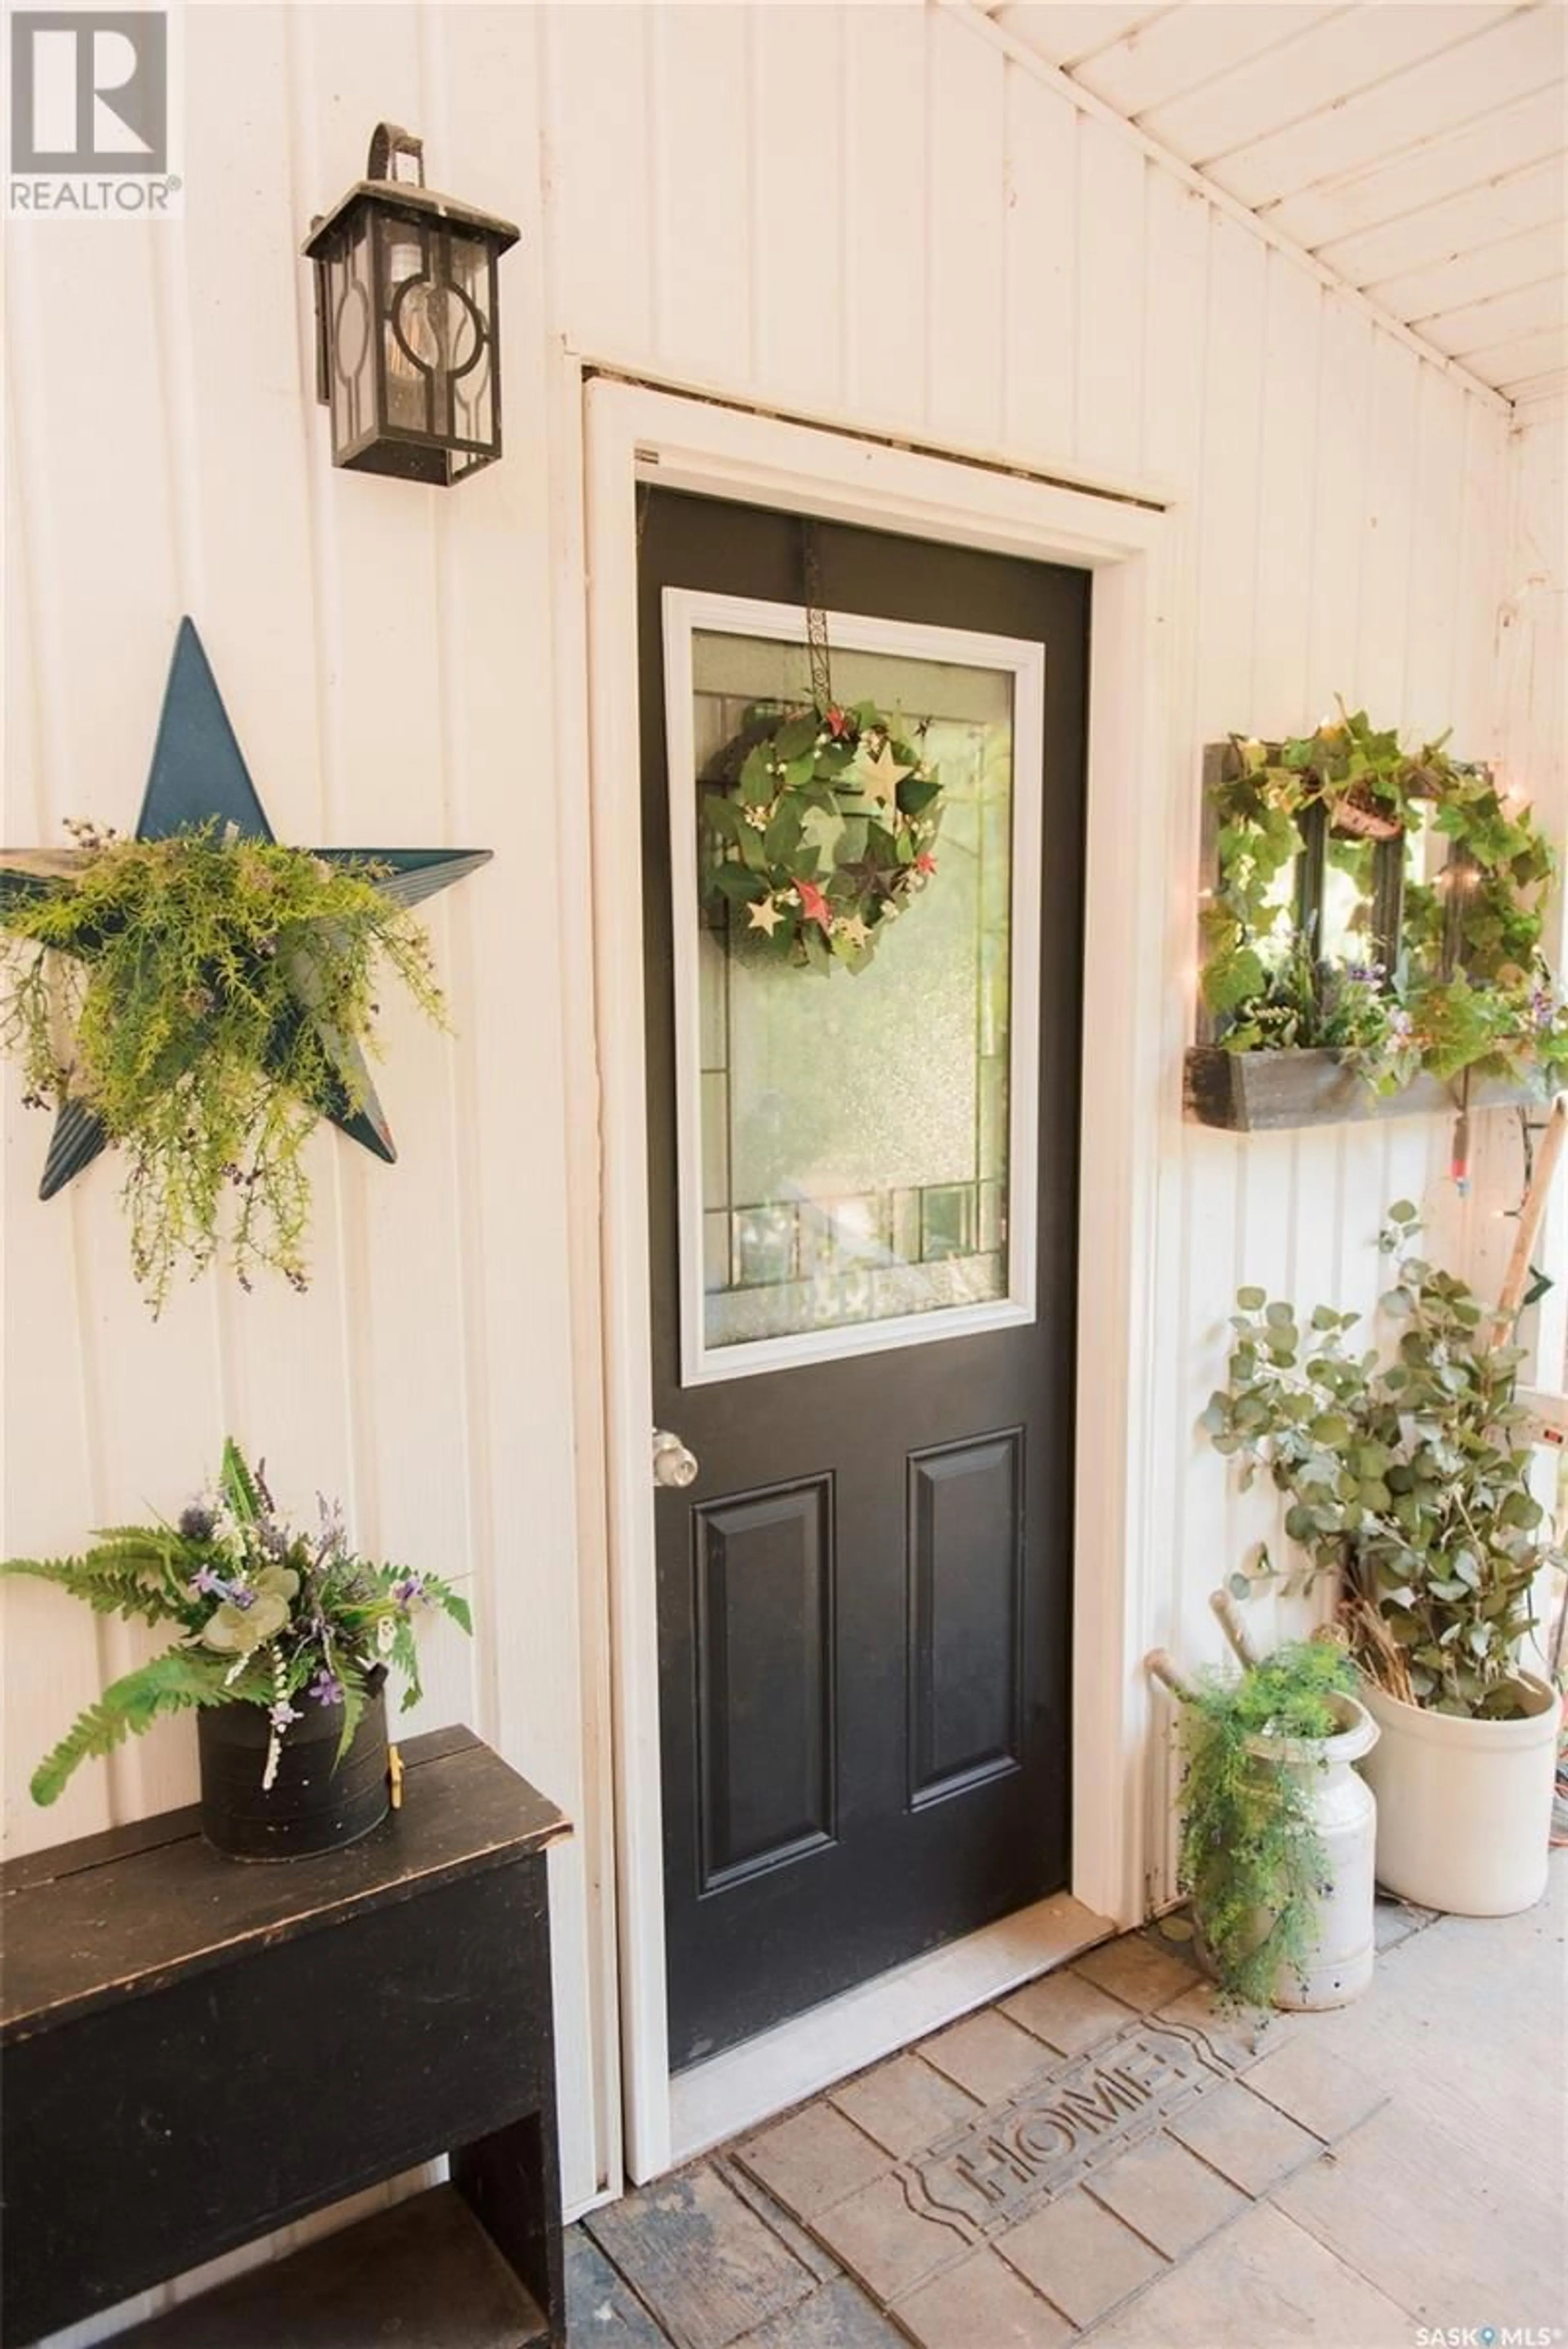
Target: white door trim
[[631, 433]]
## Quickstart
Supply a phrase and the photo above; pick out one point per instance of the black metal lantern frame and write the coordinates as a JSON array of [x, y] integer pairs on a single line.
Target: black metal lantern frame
[[408, 315]]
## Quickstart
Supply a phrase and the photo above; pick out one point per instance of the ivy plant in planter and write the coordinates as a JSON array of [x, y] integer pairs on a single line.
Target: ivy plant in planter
[[1459, 989], [208, 999]]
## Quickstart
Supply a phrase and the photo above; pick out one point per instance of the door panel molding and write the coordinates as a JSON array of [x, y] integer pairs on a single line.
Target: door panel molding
[[964, 1546], [759, 1557], [1134, 770]]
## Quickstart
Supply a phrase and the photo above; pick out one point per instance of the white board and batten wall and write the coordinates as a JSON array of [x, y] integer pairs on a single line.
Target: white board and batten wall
[[985, 269]]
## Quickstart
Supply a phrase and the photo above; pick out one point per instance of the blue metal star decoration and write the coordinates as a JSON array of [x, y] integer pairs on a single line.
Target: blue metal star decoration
[[198, 777]]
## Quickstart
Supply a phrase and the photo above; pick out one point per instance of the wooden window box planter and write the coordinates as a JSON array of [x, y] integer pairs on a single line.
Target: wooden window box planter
[[1267, 1092]]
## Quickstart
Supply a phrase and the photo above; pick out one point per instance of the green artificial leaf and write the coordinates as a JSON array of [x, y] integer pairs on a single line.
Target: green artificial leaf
[[170, 1684], [821, 831], [782, 840], [741, 885], [353, 1705], [797, 736]]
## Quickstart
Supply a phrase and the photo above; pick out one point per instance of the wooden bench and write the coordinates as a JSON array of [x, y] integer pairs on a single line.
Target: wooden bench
[[194, 2051]]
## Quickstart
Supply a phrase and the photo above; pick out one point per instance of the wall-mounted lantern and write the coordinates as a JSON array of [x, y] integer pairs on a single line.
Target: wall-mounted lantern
[[408, 315]]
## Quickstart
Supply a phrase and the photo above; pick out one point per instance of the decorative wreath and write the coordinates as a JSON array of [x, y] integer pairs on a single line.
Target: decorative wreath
[[1471, 987], [824, 836]]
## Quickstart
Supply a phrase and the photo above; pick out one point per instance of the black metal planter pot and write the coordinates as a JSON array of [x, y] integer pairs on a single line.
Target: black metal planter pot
[[310, 1806]]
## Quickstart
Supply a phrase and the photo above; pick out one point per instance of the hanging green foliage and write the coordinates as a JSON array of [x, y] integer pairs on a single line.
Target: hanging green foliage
[[1251, 1858], [1471, 988], [207, 999]]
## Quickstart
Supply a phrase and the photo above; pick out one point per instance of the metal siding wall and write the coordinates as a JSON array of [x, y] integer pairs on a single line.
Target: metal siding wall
[[402, 666]]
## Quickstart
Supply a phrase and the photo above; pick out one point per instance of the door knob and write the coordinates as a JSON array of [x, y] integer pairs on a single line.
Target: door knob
[[672, 1463]]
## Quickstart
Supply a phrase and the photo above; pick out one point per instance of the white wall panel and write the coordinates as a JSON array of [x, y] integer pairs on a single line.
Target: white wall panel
[[962, 187], [1001, 273]]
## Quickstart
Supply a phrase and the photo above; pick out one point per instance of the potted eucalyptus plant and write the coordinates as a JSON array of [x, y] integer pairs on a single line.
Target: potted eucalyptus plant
[[284, 1642], [1405, 1470]]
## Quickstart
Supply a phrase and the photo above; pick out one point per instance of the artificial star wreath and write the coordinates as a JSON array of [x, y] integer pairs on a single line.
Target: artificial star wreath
[[824, 836]]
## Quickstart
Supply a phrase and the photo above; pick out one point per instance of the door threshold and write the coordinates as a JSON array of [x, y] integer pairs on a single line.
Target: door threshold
[[781, 2067]]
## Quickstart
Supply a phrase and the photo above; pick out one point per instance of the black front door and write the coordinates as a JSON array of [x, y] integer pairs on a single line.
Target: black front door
[[864, 1594]]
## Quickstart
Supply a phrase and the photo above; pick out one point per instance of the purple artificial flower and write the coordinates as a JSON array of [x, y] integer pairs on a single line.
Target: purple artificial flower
[[411, 1586], [196, 1523], [207, 1583], [281, 1713], [327, 1688]]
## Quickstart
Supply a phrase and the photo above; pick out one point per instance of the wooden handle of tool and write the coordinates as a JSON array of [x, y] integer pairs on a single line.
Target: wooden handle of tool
[[1159, 1667], [1512, 1294], [1224, 1608]]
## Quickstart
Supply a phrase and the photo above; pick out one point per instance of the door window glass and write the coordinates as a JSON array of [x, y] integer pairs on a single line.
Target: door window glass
[[849, 1143]]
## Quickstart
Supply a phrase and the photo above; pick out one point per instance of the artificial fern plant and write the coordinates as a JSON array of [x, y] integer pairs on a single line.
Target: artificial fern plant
[[207, 999], [266, 1615], [1251, 1858]]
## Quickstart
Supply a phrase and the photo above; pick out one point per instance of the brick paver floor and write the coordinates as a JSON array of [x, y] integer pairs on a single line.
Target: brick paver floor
[[1101, 2157]]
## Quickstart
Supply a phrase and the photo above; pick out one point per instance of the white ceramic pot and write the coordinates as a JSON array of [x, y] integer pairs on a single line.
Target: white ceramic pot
[[1464, 1807], [1343, 1815]]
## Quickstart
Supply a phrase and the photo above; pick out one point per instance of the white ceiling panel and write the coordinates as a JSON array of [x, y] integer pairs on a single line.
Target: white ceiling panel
[[1520, 199], [1508, 59], [1470, 276], [1356, 50], [1539, 387], [1418, 149], [1177, 53], [1531, 356], [1498, 318], [1506, 139]]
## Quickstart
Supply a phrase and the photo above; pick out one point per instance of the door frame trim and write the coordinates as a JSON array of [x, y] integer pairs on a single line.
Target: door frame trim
[[633, 432]]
